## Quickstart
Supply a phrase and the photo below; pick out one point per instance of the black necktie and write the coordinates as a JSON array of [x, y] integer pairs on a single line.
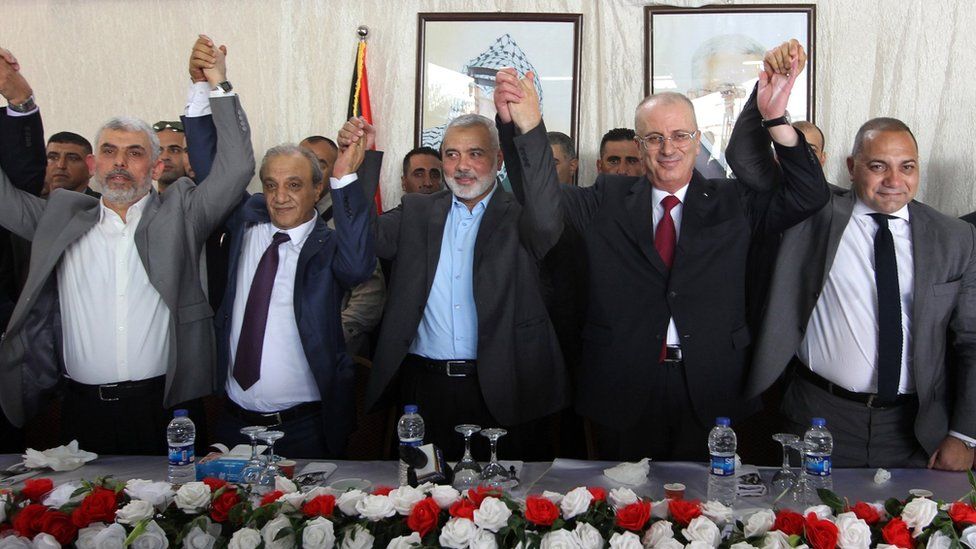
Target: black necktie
[[890, 341]]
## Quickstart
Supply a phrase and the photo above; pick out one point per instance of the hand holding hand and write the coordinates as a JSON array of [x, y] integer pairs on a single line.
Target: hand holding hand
[[355, 128], [208, 63], [13, 86], [522, 100], [782, 65], [351, 156]]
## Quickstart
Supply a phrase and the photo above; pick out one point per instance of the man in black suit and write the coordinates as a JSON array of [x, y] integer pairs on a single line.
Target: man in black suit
[[466, 335], [666, 341]]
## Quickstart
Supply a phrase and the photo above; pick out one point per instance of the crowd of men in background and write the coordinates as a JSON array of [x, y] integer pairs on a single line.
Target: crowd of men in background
[[635, 310]]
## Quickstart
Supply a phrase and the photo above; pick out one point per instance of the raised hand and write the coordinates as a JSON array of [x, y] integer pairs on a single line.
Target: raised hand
[[351, 155], [520, 97], [779, 60], [776, 84], [355, 128], [207, 62], [506, 90], [13, 86]]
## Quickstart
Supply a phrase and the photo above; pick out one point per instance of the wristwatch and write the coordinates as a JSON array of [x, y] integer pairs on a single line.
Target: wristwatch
[[773, 122], [25, 107], [224, 87]]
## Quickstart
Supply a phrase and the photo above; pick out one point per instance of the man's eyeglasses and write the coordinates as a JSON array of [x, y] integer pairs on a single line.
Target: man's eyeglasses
[[168, 125], [655, 141]]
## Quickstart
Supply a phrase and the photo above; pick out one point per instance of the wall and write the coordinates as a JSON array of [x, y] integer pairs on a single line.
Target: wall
[[291, 62]]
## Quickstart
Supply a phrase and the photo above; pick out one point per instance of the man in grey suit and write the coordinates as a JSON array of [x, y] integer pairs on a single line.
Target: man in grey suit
[[113, 308], [873, 305]]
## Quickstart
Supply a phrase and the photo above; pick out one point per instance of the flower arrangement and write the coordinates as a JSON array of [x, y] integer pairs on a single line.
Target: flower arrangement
[[109, 514]]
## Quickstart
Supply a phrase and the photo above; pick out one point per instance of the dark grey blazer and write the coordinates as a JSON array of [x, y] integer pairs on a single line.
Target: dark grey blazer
[[169, 239]]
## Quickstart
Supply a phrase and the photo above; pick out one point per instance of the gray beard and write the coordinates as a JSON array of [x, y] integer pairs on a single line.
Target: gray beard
[[476, 190], [125, 196]]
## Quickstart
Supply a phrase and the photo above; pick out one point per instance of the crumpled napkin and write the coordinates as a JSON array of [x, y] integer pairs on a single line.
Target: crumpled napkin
[[630, 473], [62, 458]]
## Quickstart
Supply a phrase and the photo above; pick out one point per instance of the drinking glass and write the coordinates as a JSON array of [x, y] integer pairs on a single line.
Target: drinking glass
[[252, 469], [801, 494], [271, 471], [467, 472], [494, 475], [784, 479]]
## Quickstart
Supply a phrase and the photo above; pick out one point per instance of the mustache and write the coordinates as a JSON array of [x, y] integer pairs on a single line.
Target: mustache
[[464, 173], [119, 172]]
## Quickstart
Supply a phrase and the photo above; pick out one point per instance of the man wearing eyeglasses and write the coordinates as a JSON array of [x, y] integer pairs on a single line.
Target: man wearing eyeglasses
[[666, 338]]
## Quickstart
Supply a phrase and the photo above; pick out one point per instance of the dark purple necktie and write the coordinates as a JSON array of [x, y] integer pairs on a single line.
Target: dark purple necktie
[[665, 238], [247, 363]]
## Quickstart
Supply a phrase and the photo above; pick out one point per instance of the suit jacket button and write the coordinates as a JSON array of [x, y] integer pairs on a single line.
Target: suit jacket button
[[672, 294]]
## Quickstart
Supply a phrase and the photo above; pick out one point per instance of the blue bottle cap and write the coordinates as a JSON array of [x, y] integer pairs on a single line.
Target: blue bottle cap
[[410, 409], [180, 413], [819, 422], [723, 421]]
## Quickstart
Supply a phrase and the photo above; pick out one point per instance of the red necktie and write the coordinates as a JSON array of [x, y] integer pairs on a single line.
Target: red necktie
[[664, 240]]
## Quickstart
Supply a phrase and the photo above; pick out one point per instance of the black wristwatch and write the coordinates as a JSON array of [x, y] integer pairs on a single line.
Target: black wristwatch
[[773, 122], [25, 107], [224, 87]]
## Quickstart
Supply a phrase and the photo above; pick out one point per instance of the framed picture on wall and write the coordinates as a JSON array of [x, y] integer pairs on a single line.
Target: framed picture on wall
[[713, 55], [458, 55]]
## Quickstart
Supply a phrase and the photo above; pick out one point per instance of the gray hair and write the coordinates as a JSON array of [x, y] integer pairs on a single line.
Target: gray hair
[[880, 124], [132, 124], [472, 120], [666, 98], [564, 142], [291, 149]]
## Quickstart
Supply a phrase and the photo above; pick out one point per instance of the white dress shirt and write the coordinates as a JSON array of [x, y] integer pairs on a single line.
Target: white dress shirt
[[115, 324], [657, 195]]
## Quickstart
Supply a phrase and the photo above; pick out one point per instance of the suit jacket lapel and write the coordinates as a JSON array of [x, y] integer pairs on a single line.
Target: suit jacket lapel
[[639, 209], [695, 211], [314, 243], [926, 266], [494, 214], [141, 237], [435, 233], [842, 208]]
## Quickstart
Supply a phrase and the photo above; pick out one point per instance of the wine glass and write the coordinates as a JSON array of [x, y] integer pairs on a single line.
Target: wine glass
[[254, 466], [494, 475], [467, 472], [784, 479], [801, 493], [271, 471]]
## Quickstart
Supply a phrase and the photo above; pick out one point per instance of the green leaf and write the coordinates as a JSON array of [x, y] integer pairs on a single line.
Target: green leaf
[[136, 532], [284, 532], [893, 507], [830, 499]]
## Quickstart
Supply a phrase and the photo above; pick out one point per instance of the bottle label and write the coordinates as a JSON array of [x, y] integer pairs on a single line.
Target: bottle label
[[723, 466], [413, 443], [818, 466], [181, 455]]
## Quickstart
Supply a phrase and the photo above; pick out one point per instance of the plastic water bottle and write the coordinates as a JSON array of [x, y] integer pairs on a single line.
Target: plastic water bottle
[[410, 430], [722, 483], [816, 461], [180, 435]]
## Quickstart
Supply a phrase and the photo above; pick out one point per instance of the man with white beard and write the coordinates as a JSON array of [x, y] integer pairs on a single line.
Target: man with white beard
[[466, 335]]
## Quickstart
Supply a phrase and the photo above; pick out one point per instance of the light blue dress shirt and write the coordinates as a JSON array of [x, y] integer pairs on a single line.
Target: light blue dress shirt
[[449, 328]]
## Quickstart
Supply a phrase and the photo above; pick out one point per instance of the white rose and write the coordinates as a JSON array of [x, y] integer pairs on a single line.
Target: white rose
[[719, 513], [852, 532], [86, 535], [374, 508], [659, 509], [576, 502], [111, 537], [404, 498], [742, 545], [319, 533], [702, 529], [445, 496], [483, 539], [822, 511], [457, 533], [405, 542], [160, 494], [348, 501], [621, 497], [59, 496], [918, 514], [658, 532], [15, 542], [285, 484], [555, 497], [968, 537], [426, 487], [669, 543], [245, 538], [759, 523], [775, 539], [939, 541], [292, 501], [271, 530], [560, 539], [885, 546], [492, 515], [153, 537], [192, 497], [202, 538], [627, 540], [588, 536], [45, 541], [697, 544], [134, 511], [357, 538]]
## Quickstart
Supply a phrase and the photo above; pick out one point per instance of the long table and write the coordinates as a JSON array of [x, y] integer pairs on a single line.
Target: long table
[[564, 474]]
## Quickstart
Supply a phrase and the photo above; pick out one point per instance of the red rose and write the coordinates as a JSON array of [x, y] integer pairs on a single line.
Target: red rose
[[822, 534], [271, 497], [463, 508], [319, 506], [221, 505], [634, 516], [683, 511], [98, 506], [477, 495], [788, 522], [961, 513], [27, 522], [866, 512], [540, 511], [214, 484], [59, 525], [896, 533], [599, 494], [36, 489], [382, 491], [423, 518]]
